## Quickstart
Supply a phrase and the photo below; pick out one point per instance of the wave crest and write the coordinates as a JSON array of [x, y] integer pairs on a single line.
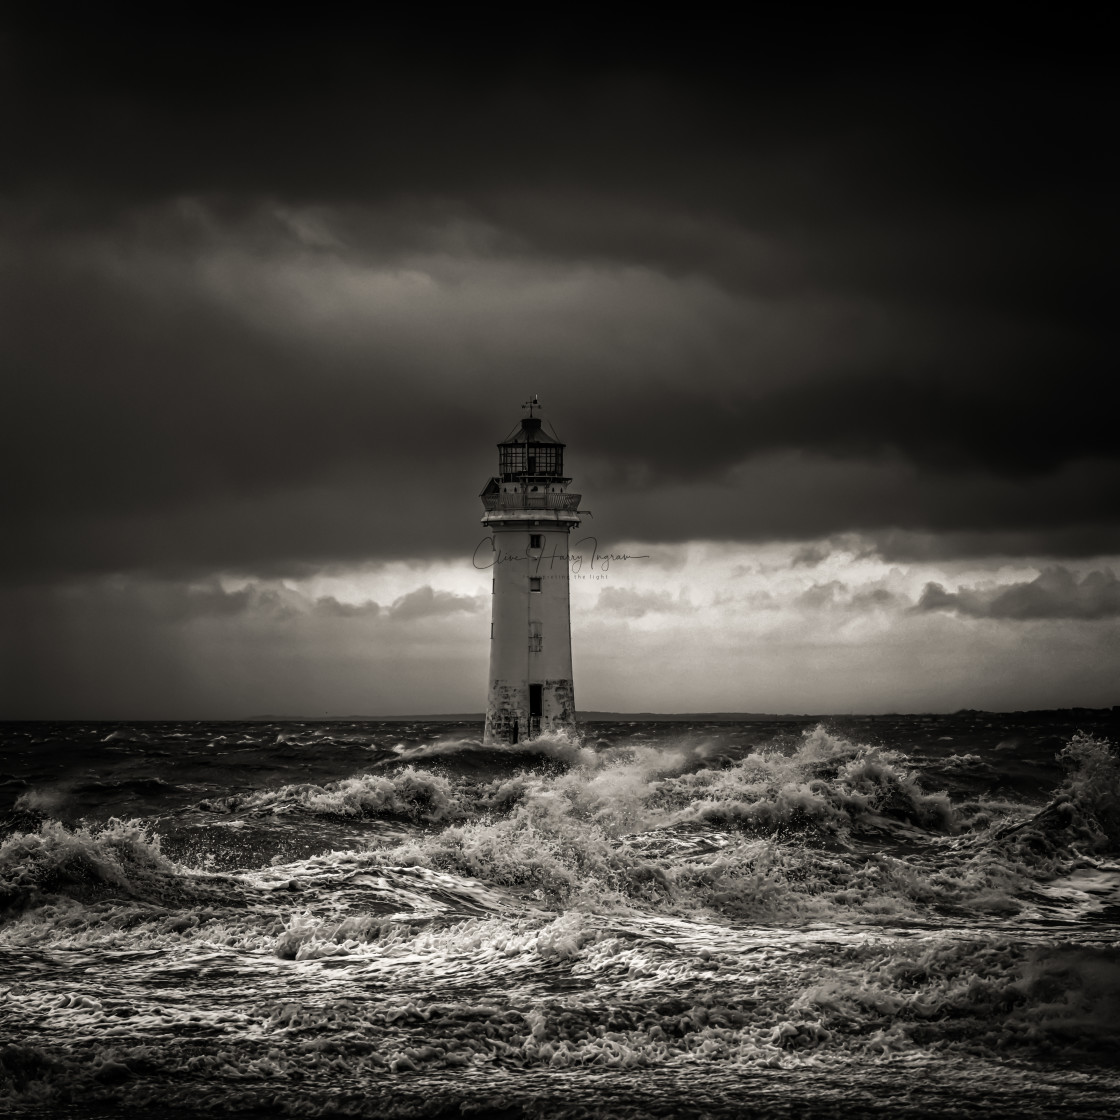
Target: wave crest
[[119, 856], [1094, 782], [411, 794], [552, 746]]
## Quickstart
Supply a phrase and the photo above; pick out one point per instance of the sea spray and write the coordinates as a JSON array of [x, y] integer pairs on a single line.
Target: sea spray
[[119, 857], [1093, 783]]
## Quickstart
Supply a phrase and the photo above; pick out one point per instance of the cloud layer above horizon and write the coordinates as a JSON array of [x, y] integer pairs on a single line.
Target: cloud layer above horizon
[[271, 324]]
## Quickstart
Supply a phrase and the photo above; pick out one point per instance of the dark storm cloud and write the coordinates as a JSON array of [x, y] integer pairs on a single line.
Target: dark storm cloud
[[160, 427], [1055, 593], [810, 555], [898, 511], [772, 298], [1055, 539], [329, 606], [830, 167]]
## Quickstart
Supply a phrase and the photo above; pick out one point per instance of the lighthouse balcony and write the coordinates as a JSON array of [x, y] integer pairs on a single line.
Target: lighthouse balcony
[[543, 500]]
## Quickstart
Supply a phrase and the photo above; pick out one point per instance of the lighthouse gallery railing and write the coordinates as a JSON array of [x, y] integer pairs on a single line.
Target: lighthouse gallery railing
[[531, 501]]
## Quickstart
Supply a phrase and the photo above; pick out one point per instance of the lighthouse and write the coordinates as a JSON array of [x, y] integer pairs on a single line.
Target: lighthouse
[[529, 516]]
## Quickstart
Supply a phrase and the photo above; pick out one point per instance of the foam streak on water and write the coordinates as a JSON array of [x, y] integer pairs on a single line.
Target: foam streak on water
[[908, 917]]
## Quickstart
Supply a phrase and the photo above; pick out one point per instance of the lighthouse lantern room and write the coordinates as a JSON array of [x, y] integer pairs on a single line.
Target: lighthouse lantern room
[[529, 515]]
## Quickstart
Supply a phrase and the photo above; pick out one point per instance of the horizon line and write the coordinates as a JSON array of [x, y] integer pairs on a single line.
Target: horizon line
[[591, 715]]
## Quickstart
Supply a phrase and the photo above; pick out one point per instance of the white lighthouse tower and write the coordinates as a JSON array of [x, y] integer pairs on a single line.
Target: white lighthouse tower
[[529, 516]]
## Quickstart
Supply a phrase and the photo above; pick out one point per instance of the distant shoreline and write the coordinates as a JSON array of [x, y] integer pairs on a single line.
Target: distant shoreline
[[612, 717], [711, 717]]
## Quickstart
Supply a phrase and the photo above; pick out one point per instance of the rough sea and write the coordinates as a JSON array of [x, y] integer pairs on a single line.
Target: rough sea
[[896, 916]]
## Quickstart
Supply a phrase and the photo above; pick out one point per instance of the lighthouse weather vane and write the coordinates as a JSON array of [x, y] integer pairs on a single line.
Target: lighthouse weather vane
[[534, 402]]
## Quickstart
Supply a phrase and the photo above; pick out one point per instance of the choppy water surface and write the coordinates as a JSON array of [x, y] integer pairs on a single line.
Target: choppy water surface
[[903, 916]]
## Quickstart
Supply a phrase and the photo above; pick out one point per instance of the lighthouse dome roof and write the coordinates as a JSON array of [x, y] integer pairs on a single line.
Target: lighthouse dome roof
[[530, 431]]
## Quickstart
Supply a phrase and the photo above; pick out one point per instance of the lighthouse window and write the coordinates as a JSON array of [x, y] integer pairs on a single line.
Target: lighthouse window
[[534, 540], [534, 583], [535, 639], [512, 460], [550, 460]]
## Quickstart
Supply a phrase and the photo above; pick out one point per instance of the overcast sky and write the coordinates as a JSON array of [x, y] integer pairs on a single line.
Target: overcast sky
[[827, 327]]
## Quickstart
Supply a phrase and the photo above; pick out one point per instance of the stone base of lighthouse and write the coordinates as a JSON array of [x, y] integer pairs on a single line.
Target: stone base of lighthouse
[[517, 710]]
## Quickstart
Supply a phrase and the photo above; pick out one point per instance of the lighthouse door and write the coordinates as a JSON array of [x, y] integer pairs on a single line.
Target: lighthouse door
[[534, 710]]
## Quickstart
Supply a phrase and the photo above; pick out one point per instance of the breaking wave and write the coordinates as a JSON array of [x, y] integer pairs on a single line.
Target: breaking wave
[[87, 864], [411, 795]]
